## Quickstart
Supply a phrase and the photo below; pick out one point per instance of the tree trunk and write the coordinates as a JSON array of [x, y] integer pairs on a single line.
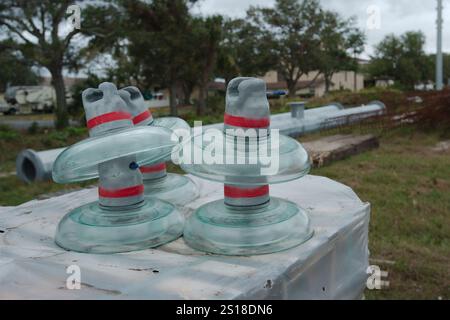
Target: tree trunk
[[173, 99], [187, 92], [62, 117], [355, 72], [227, 81], [291, 87], [327, 83], [202, 94]]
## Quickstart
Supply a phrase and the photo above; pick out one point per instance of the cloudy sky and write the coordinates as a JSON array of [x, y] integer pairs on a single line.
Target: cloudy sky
[[395, 16]]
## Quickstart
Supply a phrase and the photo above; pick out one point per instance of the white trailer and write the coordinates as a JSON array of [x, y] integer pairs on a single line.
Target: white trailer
[[28, 99]]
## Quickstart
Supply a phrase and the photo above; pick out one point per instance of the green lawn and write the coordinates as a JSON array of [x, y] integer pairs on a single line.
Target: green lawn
[[35, 117], [408, 186]]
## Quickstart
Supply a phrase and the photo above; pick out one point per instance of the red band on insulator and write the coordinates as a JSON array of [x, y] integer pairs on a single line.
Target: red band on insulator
[[237, 192], [108, 117], [151, 169], [246, 122], [142, 116], [121, 193]]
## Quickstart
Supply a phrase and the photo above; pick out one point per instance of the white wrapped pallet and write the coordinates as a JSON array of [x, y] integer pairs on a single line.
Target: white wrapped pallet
[[332, 265]]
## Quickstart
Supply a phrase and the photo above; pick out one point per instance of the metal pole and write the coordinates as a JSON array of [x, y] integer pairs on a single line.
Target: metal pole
[[439, 64]]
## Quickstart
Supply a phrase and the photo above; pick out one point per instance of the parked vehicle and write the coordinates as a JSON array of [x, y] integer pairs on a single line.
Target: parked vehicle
[[276, 94], [27, 99]]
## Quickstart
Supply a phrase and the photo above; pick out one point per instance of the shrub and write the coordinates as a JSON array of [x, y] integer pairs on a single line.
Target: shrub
[[7, 133], [435, 113], [34, 128], [76, 131]]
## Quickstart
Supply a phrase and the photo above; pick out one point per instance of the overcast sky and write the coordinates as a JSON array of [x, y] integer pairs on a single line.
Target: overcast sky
[[395, 16]]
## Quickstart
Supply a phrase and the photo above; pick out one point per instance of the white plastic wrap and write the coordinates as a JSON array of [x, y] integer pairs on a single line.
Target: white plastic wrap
[[332, 265]]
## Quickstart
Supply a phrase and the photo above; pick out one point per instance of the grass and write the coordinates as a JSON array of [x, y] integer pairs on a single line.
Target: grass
[[408, 186], [33, 117], [12, 142], [12, 190]]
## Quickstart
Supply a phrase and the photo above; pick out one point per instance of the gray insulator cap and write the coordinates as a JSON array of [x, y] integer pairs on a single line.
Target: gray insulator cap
[[102, 101]]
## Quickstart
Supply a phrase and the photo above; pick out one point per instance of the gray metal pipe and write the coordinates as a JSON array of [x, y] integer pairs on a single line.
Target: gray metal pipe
[[298, 109], [324, 117], [280, 120], [353, 115], [36, 166], [276, 119]]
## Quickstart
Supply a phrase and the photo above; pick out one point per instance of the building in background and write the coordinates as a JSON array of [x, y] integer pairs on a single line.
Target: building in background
[[383, 82], [312, 84]]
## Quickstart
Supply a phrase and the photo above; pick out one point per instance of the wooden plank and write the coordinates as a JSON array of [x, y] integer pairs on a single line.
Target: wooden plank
[[333, 148]]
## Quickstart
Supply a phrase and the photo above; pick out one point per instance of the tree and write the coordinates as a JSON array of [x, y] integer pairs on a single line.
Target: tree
[[201, 56], [292, 30], [402, 59], [243, 51], [34, 30], [340, 44], [356, 42], [157, 41], [15, 70], [160, 45]]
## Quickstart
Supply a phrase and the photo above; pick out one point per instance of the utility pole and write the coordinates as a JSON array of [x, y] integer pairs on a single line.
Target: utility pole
[[439, 64]]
